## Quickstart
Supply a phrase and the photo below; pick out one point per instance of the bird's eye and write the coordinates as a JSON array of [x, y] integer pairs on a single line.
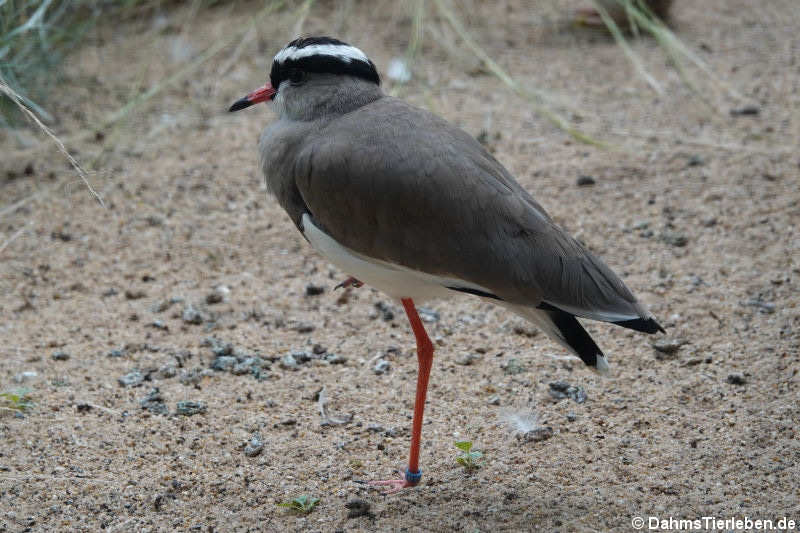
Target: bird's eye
[[297, 76]]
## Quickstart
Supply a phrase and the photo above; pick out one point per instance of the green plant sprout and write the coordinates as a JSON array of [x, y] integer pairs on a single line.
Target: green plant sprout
[[468, 459], [302, 504], [18, 400]]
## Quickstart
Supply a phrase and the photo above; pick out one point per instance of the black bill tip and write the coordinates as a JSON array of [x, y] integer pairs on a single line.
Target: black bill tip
[[240, 104]]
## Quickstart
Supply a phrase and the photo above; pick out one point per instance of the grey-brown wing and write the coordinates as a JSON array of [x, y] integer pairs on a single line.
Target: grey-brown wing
[[399, 184]]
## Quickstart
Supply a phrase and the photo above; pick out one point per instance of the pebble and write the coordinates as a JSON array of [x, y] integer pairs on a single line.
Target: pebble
[[24, 376], [386, 311], [493, 400], [561, 389], [159, 324], [764, 307], [251, 365], [357, 507], [304, 328], [737, 379], [750, 110], [428, 315], [131, 379], [335, 359], [218, 347], [132, 294], [467, 359], [60, 356], [167, 372], [318, 349], [667, 348], [536, 435], [584, 181], [194, 377], [695, 161], [288, 362], [314, 290], [571, 417], [513, 366], [191, 315], [254, 446], [117, 353], [223, 363], [381, 366], [214, 298], [675, 239], [190, 408], [154, 402]]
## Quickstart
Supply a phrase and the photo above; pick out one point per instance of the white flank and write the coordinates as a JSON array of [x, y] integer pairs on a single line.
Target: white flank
[[345, 52], [395, 280]]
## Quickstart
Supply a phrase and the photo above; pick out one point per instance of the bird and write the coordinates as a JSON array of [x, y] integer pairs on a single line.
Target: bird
[[402, 200]]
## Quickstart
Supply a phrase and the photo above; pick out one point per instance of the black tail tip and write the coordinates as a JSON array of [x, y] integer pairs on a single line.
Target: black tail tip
[[645, 325]]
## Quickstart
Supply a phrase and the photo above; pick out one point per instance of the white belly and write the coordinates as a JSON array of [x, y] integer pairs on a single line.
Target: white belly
[[395, 280]]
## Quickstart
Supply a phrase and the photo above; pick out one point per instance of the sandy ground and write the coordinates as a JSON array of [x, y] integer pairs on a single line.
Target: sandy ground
[[698, 213]]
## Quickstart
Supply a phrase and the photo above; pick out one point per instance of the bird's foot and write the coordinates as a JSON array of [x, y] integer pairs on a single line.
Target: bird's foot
[[396, 485], [349, 282]]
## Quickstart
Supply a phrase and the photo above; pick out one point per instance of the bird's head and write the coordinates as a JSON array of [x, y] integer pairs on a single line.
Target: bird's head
[[316, 74]]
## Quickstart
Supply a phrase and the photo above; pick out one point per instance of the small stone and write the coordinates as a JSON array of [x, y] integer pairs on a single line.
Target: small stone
[[254, 446], [571, 417], [584, 181], [25, 376], [318, 349], [190, 408], [84, 408], [536, 435], [134, 294], [154, 402], [159, 324], [191, 315], [675, 239], [357, 507], [302, 357], [493, 400], [60, 356], [223, 363], [764, 307], [167, 372], [250, 365], [381, 366], [695, 161], [667, 348], [213, 298], [304, 328], [428, 315], [737, 379], [161, 306], [513, 366], [750, 110], [561, 389], [386, 311], [288, 362], [467, 359], [218, 347], [335, 359], [314, 290], [131, 379]]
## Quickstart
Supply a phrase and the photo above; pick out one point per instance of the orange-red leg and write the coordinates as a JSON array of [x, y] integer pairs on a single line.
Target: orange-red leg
[[425, 361]]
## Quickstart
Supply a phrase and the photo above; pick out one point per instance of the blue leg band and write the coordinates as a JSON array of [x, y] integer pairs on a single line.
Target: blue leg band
[[414, 477]]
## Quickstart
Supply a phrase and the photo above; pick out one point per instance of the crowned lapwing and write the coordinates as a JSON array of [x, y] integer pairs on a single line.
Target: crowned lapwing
[[402, 200]]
